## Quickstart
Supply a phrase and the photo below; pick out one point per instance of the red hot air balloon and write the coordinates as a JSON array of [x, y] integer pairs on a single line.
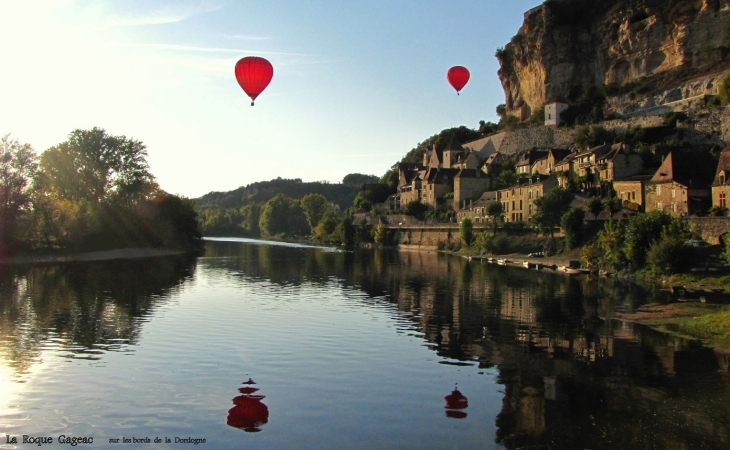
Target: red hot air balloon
[[458, 76], [253, 74]]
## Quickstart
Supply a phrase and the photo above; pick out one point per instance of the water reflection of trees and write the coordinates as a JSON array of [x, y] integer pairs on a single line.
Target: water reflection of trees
[[573, 377], [83, 308]]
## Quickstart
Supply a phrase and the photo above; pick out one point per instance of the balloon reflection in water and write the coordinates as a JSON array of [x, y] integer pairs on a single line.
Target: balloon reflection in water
[[249, 413], [455, 402]]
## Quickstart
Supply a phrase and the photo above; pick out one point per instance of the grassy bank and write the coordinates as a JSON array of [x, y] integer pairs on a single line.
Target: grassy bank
[[707, 322]]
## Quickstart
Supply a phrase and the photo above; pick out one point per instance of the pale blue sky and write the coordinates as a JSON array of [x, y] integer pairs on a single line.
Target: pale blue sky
[[357, 84]]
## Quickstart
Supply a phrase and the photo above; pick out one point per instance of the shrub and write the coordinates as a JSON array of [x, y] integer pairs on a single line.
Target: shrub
[[572, 224], [498, 244]]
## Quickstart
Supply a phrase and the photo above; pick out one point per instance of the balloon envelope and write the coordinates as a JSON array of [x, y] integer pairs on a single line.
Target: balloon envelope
[[458, 76], [253, 74]]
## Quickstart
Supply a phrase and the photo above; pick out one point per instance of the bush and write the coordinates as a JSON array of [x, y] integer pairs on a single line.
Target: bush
[[498, 244], [668, 255]]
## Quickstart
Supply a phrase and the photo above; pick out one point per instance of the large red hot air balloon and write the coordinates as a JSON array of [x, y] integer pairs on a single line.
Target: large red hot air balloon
[[253, 73], [458, 77]]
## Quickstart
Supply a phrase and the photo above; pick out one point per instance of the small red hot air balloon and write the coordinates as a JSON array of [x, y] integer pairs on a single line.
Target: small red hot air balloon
[[458, 76], [253, 74]]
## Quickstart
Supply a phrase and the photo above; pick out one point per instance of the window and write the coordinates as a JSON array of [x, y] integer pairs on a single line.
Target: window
[[520, 205], [674, 193], [723, 201], [633, 195], [659, 206], [721, 178], [659, 190]]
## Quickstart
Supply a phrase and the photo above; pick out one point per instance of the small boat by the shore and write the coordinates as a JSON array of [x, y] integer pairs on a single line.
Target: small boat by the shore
[[569, 270], [502, 262], [529, 265]]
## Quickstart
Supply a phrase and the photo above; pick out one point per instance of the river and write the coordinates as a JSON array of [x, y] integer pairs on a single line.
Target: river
[[266, 345]]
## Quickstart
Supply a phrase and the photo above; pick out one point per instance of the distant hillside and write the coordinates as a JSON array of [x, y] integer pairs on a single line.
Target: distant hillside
[[261, 192]]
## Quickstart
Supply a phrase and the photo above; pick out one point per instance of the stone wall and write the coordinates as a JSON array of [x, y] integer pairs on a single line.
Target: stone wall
[[710, 228]]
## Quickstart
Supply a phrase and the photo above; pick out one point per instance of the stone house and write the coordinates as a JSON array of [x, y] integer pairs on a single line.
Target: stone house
[[518, 201], [721, 183], [565, 169], [524, 165], [545, 165], [437, 183], [410, 181], [477, 210], [493, 164], [469, 185], [553, 111], [631, 191], [682, 185]]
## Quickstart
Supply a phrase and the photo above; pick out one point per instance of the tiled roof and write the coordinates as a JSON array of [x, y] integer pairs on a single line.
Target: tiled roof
[[691, 169]]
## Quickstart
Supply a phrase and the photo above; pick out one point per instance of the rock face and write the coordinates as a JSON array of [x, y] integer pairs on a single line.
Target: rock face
[[564, 45]]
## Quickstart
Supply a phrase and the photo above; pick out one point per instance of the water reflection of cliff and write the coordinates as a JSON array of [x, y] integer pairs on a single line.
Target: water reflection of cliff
[[82, 308]]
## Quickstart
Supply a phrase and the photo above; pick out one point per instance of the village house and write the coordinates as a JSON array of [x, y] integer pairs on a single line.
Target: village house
[[523, 167], [721, 183], [631, 191], [518, 201], [469, 185], [457, 168], [545, 165], [682, 185], [477, 210]]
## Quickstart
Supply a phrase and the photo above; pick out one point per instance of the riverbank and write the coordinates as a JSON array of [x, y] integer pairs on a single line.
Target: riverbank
[[121, 253]]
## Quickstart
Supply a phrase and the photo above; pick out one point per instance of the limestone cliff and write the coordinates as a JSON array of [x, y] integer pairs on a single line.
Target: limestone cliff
[[564, 45]]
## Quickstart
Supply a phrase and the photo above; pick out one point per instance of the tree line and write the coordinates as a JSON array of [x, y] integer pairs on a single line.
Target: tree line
[[93, 191]]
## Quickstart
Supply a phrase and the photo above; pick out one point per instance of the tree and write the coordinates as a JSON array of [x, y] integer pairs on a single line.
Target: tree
[[358, 179], [282, 215], [612, 205], [314, 206], [95, 166], [416, 209], [466, 231], [669, 253], [550, 209], [641, 231], [595, 206], [495, 211], [18, 164], [572, 224]]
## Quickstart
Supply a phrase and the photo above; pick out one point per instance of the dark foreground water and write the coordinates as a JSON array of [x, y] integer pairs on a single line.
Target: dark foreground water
[[349, 350]]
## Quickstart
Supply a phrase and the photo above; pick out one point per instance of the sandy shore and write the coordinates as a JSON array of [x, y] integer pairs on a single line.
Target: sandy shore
[[122, 253]]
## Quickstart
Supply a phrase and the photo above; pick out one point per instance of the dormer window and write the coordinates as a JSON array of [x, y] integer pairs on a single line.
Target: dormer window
[[721, 177]]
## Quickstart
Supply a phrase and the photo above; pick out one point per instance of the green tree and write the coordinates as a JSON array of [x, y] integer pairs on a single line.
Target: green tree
[[641, 231], [550, 209], [358, 179], [669, 253], [250, 216], [595, 206], [282, 215], [495, 211], [416, 209], [610, 243], [314, 206], [466, 231], [612, 205], [95, 166], [572, 224], [18, 164]]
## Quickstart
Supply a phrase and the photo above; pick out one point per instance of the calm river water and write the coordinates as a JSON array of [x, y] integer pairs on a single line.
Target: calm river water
[[358, 350]]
